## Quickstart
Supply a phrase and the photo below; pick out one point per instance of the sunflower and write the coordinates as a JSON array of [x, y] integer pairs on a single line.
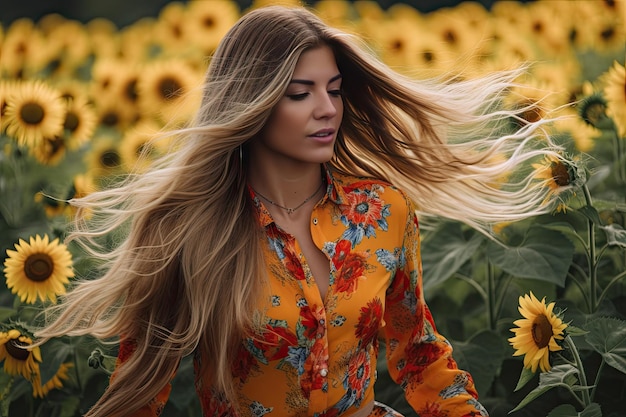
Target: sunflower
[[70, 43], [34, 111], [53, 207], [537, 333], [593, 110], [582, 133], [171, 30], [6, 88], [49, 151], [558, 174], [80, 122], [170, 90], [17, 359], [82, 186], [208, 22], [452, 30], [137, 149], [104, 157], [23, 50], [531, 101], [39, 269], [104, 37], [56, 382], [614, 81]]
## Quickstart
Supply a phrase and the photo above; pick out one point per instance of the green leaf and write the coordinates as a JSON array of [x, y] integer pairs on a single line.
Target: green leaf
[[445, 250], [470, 356], [6, 313], [544, 255], [591, 213], [592, 410], [53, 354], [575, 331], [558, 376], [568, 410], [615, 235], [607, 336], [525, 376], [565, 410]]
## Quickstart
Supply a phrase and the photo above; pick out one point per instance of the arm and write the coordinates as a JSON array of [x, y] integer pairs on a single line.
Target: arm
[[419, 358]]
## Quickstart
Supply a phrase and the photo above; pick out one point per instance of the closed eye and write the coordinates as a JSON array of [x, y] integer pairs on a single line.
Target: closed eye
[[298, 97]]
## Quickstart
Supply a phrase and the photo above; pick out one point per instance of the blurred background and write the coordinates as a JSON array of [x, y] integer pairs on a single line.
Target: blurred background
[[123, 12]]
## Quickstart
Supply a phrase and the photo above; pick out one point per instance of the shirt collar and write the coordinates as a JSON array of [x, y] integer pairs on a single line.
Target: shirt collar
[[334, 193]]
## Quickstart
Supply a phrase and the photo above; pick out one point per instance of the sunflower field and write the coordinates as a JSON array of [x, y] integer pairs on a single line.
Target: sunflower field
[[538, 318]]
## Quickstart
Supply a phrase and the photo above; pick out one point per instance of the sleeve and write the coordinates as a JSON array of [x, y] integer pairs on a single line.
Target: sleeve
[[418, 357], [155, 407]]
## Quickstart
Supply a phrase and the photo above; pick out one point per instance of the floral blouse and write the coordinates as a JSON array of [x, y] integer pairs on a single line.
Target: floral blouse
[[318, 356]]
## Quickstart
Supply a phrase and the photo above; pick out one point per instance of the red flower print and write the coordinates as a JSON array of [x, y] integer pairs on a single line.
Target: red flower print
[[243, 364], [292, 262], [351, 270], [276, 342], [424, 355], [312, 379], [363, 209], [310, 318], [369, 322], [215, 404], [359, 374], [342, 250], [432, 410], [398, 287]]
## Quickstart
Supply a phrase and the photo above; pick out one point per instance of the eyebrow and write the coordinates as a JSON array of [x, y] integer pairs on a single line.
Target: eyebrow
[[309, 82]]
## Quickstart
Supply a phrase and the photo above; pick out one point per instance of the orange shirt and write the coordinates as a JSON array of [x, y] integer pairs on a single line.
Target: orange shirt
[[317, 357]]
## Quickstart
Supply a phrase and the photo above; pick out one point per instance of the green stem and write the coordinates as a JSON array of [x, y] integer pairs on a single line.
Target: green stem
[[581, 287], [619, 156], [581, 371], [613, 281], [491, 296], [591, 237], [597, 381], [500, 299], [474, 284]]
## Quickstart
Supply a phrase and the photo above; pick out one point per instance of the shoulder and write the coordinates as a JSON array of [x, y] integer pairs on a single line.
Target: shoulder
[[373, 187]]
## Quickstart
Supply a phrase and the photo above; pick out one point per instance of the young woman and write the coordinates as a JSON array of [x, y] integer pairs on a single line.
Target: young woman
[[280, 240]]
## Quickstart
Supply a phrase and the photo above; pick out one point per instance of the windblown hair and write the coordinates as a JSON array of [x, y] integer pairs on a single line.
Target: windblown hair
[[186, 273]]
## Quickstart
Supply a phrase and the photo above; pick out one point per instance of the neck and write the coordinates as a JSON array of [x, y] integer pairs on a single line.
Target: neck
[[287, 189]]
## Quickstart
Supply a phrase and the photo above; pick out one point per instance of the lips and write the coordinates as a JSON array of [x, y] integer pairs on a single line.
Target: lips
[[323, 133]]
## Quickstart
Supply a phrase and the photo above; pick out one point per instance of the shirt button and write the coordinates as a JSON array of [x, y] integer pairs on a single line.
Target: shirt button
[[323, 372], [322, 322], [315, 220]]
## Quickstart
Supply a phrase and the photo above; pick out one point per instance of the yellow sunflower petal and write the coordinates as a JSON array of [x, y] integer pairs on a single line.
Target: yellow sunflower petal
[[38, 269]]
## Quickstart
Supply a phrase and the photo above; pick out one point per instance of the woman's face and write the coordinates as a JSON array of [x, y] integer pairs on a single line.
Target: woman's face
[[304, 124]]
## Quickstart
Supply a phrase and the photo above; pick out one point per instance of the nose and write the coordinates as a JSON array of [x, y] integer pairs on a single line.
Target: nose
[[326, 106]]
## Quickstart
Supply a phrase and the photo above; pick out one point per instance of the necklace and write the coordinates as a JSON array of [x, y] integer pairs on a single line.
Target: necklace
[[288, 209]]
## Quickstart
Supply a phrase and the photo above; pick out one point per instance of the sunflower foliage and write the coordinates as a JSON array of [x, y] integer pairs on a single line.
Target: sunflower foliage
[[80, 101]]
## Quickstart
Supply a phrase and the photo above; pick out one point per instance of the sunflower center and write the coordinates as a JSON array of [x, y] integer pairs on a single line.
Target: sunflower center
[[170, 88], [560, 174], [110, 118], [131, 90], [15, 348], [71, 122], [110, 159], [542, 331], [32, 113], [38, 267]]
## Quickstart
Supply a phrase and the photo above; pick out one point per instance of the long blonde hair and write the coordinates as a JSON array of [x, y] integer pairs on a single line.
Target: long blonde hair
[[188, 268]]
